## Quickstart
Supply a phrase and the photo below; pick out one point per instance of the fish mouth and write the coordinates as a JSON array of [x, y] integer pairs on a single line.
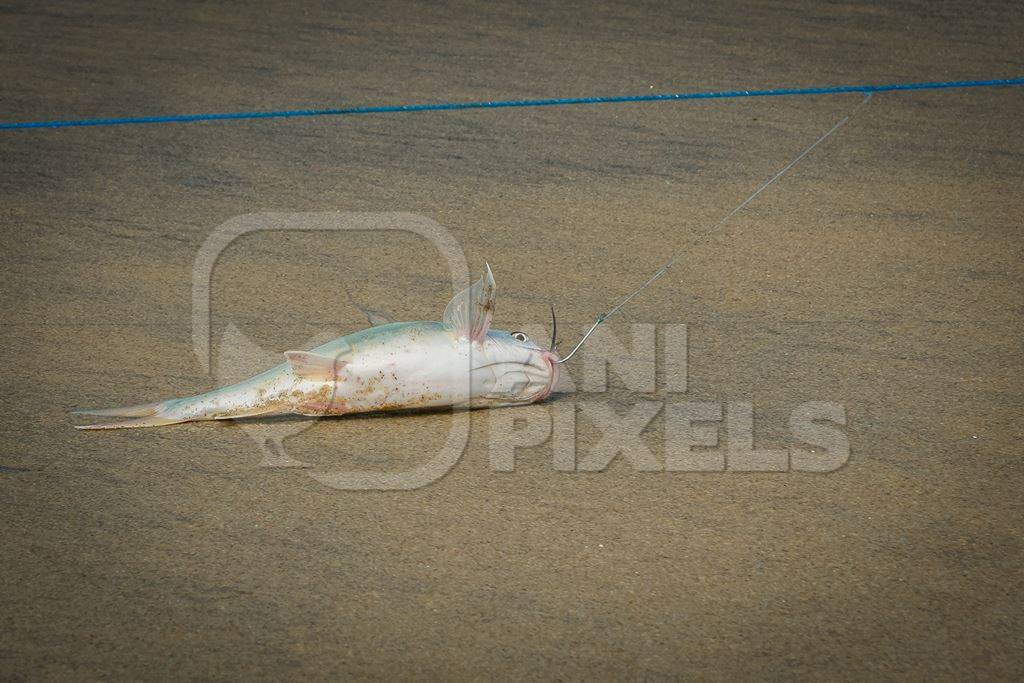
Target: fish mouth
[[520, 379], [551, 359]]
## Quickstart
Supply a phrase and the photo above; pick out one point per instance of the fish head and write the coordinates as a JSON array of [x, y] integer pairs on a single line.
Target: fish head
[[507, 367], [511, 369]]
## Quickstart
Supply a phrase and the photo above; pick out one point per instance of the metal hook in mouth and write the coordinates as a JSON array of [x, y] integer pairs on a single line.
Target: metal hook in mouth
[[600, 319]]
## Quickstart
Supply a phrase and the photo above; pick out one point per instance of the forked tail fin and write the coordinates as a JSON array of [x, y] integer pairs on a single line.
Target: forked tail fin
[[144, 415], [226, 403]]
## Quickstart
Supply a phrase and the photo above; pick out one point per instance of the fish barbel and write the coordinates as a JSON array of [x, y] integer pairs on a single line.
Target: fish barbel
[[458, 362]]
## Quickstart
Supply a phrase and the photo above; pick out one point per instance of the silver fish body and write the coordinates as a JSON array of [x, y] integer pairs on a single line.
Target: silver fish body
[[458, 362]]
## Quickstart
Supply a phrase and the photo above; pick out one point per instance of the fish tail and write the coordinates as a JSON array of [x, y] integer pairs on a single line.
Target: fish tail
[[153, 421], [174, 411], [245, 399], [143, 415], [141, 410]]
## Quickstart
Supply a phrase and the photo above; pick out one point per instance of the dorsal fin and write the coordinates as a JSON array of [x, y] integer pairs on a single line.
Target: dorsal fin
[[469, 313], [375, 317], [314, 366]]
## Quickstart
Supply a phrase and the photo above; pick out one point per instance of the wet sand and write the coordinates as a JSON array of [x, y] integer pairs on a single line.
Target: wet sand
[[884, 273]]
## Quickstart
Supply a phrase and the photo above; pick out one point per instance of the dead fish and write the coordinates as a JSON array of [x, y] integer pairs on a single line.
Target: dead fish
[[459, 362]]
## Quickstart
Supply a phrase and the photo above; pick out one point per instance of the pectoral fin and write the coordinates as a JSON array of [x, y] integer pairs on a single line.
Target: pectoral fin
[[315, 366], [469, 313]]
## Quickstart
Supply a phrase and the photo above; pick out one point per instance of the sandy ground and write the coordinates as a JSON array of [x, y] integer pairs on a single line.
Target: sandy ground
[[883, 274]]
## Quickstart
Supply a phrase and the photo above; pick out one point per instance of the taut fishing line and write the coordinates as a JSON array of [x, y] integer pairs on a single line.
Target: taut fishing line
[[707, 233]]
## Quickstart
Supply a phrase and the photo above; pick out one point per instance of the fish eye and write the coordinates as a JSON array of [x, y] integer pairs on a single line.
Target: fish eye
[[519, 336]]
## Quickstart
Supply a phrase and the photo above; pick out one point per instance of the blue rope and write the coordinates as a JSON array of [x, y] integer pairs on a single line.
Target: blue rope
[[499, 104]]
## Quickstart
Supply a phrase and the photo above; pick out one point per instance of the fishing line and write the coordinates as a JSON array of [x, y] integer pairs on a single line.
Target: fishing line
[[703, 236]]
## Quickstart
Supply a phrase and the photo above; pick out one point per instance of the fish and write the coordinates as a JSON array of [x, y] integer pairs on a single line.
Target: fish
[[458, 362]]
